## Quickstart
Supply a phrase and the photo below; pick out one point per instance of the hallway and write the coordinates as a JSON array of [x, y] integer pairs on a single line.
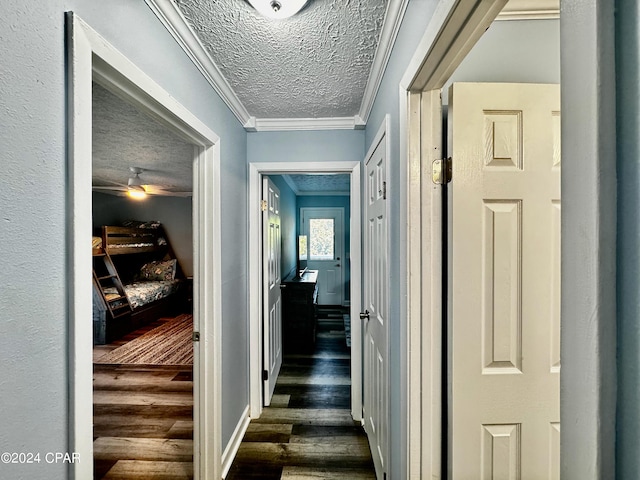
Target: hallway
[[308, 432]]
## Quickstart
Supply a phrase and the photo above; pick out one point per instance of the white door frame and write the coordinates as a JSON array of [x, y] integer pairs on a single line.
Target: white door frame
[[343, 246], [256, 171], [588, 349], [92, 58]]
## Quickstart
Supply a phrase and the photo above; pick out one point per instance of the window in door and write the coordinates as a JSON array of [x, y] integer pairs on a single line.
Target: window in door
[[321, 239]]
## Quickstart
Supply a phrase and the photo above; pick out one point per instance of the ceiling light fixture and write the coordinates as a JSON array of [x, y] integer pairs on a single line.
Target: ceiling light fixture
[[278, 9], [135, 189]]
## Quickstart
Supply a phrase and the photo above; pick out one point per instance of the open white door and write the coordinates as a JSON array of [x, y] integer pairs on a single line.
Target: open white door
[[375, 287], [324, 228], [505, 281], [272, 312]]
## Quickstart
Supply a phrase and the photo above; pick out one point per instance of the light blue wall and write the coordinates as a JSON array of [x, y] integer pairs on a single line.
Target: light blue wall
[[33, 331], [332, 201], [306, 146], [413, 26], [526, 51], [173, 212], [287, 224], [628, 247]]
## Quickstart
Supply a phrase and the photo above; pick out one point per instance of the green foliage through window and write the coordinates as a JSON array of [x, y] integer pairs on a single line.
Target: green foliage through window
[[321, 239]]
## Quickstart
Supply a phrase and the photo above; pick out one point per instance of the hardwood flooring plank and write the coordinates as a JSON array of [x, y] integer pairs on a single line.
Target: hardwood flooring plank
[[152, 470], [328, 434], [303, 473], [102, 397], [250, 471], [145, 411], [315, 380], [305, 454], [181, 429], [275, 433], [150, 449], [306, 416], [131, 427], [280, 400]]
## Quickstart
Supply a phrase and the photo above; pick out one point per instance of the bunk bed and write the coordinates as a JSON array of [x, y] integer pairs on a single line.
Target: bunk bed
[[136, 279]]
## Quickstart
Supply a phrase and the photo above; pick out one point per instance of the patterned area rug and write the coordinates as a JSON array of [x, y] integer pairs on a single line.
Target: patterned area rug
[[168, 344]]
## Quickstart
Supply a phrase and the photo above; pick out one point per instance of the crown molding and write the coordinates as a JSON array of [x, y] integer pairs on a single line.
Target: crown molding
[[392, 21], [292, 185], [529, 15], [289, 124], [175, 23], [530, 10]]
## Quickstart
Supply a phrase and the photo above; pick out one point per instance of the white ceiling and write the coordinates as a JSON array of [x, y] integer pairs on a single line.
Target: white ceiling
[[124, 137], [312, 65]]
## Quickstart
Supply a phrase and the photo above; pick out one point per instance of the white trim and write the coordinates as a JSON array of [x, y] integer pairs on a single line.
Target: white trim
[[291, 124], [234, 443], [462, 24], [530, 10], [553, 14], [256, 170], [92, 57], [390, 28], [175, 23]]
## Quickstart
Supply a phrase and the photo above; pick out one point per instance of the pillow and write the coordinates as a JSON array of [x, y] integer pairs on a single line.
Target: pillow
[[158, 270]]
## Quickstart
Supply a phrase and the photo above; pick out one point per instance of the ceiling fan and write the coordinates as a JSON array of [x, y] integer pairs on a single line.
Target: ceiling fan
[[137, 188]]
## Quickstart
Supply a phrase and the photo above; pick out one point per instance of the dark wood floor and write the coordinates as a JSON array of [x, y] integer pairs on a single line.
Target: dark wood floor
[[143, 419], [308, 432]]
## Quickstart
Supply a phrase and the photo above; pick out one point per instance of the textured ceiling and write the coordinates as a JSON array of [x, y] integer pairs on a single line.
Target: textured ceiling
[[314, 183], [312, 65], [124, 137]]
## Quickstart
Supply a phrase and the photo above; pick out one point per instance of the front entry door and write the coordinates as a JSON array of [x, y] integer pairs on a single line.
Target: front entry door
[[505, 281], [272, 311], [324, 228], [376, 329]]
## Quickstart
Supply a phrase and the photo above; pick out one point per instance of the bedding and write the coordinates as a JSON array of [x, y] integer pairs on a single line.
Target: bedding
[[143, 293]]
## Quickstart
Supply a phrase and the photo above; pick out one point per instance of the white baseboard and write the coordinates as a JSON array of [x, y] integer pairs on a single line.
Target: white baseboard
[[235, 441]]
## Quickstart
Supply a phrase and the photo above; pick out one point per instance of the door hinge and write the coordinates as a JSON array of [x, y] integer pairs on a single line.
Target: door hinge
[[195, 336], [384, 190], [265, 375], [263, 205], [442, 170]]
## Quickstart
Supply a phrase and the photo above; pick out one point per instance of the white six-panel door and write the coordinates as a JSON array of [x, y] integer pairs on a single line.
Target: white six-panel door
[[375, 283], [272, 312], [505, 282]]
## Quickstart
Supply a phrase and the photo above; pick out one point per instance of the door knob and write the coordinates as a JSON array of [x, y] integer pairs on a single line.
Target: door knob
[[364, 315]]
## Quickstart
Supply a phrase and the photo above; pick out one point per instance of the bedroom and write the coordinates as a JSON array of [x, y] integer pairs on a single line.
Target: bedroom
[[143, 359]]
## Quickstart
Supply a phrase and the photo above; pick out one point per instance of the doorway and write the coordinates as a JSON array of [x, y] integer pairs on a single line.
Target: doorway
[[93, 59], [430, 355], [323, 231], [256, 173]]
